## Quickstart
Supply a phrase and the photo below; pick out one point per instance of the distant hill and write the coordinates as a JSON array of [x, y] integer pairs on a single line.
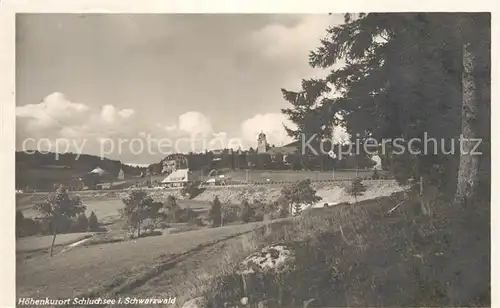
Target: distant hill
[[43, 170]]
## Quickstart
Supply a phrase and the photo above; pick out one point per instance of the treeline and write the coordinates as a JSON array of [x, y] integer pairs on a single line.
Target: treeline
[[44, 170], [26, 226], [250, 159]]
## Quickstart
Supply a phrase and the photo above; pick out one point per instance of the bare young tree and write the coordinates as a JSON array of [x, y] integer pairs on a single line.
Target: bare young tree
[[57, 207]]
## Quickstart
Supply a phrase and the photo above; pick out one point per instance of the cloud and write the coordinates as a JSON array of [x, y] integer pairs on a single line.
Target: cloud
[[289, 46], [108, 113], [54, 111], [89, 130], [126, 113], [271, 124], [56, 117], [194, 122], [285, 42]]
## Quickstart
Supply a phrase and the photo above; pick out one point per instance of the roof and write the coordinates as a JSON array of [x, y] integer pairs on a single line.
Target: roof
[[286, 149], [99, 171], [179, 175]]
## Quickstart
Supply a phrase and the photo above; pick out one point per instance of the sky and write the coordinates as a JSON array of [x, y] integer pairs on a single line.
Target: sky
[[93, 83]]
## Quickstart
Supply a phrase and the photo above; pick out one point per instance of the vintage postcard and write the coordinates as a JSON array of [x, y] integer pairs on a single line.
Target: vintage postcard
[[293, 158]]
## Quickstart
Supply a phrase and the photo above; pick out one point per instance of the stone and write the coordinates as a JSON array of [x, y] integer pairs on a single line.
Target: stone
[[272, 261], [197, 302], [244, 301], [273, 258], [268, 303]]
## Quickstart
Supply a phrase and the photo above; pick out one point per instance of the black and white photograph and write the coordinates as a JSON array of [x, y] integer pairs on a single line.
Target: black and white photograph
[[253, 160]]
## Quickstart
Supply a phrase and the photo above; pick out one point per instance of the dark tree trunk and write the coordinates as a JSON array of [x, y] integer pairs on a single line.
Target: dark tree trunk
[[53, 239], [469, 163]]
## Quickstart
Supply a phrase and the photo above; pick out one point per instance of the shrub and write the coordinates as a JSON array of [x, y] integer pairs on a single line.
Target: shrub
[[25, 226], [299, 194], [247, 213], [19, 222], [19, 216], [281, 207], [93, 224], [196, 222], [171, 202], [44, 226], [191, 189], [59, 208], [162, 225], [138, 206], [215, 213], [185, 215], [356, 189], [173, 209], [65, 224], [231, 213], [151, 232], [80, 224]]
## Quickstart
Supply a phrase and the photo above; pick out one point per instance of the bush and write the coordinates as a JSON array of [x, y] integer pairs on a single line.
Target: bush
[[215, 213], [298, 194], [139, 206], [162, 225], [19, 222], [281, 207], [150, 232], [64, 225], [173, 209], [25, 226], [247, 213], [231, 213], [185, 215], [357, 188], [191, 189], [196, 222], [44, 226], [81, 223], [93, 223]]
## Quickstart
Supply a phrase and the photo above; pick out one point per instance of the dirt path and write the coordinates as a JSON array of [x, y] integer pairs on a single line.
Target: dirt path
[[180, 276], [108, 268]]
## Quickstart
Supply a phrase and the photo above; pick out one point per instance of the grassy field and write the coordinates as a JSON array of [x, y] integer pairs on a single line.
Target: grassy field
[[350, 256], [33, 243], [83, 269], [401, 259], [278, 175], [251, 176], [109, 207], [114, 267]]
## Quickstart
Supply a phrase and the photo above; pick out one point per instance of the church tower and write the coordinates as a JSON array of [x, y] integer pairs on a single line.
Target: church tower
[[262, 143]]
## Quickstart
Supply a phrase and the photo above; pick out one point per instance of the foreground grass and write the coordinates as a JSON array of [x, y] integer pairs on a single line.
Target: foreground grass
[[362, 256], [89, 268], [35, 243], [355, 255]]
